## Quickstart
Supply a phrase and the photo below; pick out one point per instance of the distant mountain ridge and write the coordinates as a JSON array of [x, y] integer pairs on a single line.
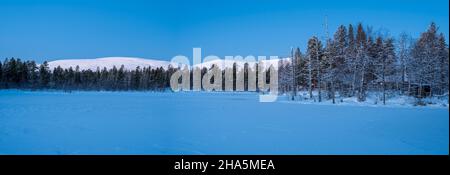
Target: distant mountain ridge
[[130, 63]]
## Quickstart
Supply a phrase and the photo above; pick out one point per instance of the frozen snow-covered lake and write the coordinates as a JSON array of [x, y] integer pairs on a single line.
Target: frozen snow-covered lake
[[210, 123]]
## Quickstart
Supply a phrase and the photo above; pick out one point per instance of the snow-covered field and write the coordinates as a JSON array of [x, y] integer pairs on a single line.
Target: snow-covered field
[[210, 123], [373, 99]]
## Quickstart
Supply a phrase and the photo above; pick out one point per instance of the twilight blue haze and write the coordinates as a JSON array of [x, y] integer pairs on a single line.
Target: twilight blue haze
[[49, 29]]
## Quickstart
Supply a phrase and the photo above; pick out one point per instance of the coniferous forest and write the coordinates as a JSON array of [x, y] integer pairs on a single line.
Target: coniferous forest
[[27, 75], [352, 62]]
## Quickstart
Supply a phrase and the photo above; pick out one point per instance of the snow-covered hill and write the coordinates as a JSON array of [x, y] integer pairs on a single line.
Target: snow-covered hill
[[240, 63], [109, 62], [131, 63]]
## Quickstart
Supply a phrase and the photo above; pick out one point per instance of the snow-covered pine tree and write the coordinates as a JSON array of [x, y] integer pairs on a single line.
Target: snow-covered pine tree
[[426, 62], [285, 76], [443, 58], [314, 56], [374, 62], [335, 72], [388, 65], [404, 51], [294, 73], [301, 70], [362, 61], [351, 62]]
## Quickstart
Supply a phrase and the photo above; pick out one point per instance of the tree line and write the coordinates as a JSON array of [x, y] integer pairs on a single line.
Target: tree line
[[19, 74]]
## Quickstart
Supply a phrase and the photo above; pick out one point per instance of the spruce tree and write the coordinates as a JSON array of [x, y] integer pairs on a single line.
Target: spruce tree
[[314, 55], [426, 62], [443, 69], [388, 64], [44, 75]]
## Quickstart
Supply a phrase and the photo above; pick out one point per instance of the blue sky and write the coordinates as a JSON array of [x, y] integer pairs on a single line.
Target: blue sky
[[49, 29]]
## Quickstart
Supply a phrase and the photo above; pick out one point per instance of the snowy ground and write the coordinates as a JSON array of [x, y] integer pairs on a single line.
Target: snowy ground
[[210, 123], [372, 100]]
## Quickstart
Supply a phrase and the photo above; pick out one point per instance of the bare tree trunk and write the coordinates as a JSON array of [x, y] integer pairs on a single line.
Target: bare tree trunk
[[409, 87], [361, 87], [333, 91], [384, 84], [310, 77], [319, 82], [354, 81], [420, 90], [319, 78], [294, 89], [384, 91]]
